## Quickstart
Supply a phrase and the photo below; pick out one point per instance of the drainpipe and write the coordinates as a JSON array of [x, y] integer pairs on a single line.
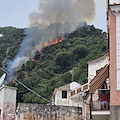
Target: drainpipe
[[90, 106]]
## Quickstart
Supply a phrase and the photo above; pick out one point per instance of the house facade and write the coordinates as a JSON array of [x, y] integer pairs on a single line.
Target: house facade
[[61, 95], [114, 33]]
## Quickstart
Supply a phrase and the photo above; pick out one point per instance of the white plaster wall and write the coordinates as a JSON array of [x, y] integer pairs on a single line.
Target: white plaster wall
[[9, 95], [93, 67], [74, 85], [61, 101], [114, 1], [76, 102]]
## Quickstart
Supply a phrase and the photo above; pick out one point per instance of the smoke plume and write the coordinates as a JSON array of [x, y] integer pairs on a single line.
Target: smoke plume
[[52, 17], [62, 11]]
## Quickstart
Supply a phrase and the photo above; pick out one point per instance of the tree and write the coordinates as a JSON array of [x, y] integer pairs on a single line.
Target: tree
[[63, 59], [79, 52]]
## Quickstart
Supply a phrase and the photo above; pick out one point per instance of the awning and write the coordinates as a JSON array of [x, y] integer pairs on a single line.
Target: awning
[[101, 76]]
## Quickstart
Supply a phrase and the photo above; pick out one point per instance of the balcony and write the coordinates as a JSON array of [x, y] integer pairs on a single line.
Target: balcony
[[99, 112], [96, 103]]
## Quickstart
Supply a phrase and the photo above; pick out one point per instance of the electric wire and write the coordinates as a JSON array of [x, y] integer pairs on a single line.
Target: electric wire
[[25, 86], [38, 94]]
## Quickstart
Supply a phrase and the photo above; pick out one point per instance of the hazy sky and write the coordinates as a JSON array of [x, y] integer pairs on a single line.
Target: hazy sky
[[15, 13]]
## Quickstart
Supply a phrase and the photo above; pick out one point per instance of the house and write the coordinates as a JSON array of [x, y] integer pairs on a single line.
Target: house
[[7, 103], [114, 35], [61, 95]]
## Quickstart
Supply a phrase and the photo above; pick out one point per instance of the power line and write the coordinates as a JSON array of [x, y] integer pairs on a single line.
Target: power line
[[25, 86], [35, 92]]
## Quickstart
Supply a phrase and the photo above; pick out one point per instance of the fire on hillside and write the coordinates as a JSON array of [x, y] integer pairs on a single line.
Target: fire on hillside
[[51, 42]]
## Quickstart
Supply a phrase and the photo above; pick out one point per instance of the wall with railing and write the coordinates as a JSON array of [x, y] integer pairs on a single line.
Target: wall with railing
[[80, 89]]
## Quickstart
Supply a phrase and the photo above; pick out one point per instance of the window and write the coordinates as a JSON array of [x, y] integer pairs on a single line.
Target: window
[[64, 94]]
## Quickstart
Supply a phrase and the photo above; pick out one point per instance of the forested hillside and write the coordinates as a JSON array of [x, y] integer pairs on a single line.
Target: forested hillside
[[10, 41], [51, 67]]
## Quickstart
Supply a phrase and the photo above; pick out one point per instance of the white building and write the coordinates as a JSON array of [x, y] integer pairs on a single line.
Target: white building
[[61, 95], [95, 65], [7, 103]]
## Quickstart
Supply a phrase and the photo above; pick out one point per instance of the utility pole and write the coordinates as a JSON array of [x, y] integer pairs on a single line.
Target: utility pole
[[72, 73]]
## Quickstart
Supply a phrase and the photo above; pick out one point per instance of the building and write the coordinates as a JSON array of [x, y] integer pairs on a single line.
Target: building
[[77, 95], [61, 95], [114, 35], [89, 93], [7, 103]]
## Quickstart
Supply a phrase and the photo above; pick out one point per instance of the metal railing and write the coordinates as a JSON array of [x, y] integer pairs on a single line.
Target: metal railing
[[96, 102]]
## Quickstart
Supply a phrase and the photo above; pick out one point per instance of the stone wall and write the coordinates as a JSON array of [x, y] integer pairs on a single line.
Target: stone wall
[[47, 112]]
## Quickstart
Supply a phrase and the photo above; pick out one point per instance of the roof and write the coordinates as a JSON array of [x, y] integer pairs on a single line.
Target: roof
[[4, 86], [98, 59], [101, 76]]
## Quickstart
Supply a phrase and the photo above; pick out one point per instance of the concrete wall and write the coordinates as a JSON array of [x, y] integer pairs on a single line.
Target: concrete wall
[[115, 113], [47, 112], [8, 102]]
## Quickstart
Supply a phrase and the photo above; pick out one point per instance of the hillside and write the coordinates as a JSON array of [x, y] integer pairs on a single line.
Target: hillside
[[51, 67]]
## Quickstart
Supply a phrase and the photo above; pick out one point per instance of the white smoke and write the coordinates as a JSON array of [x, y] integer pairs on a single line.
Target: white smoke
[[52, 17], [62, 11]]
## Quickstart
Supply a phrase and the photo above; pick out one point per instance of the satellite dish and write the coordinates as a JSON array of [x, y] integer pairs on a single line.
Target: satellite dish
[[2, 78]]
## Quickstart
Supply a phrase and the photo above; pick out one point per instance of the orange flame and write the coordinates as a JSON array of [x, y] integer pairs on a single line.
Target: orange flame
[[46, 44], [40, 50], [52, 42], [62, 39], [33, 59], [13, 80], [19, 69]]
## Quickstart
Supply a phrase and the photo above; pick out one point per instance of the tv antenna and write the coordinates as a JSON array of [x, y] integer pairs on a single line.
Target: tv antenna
[[2, 78]]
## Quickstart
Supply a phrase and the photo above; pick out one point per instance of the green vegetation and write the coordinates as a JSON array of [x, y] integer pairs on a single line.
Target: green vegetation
[[53, 64]]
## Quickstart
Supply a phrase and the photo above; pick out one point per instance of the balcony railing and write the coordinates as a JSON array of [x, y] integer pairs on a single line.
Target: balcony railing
[[82, 89], [96, 102]]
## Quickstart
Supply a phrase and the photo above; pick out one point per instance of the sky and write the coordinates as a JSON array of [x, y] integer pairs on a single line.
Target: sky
[[15, 13]]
